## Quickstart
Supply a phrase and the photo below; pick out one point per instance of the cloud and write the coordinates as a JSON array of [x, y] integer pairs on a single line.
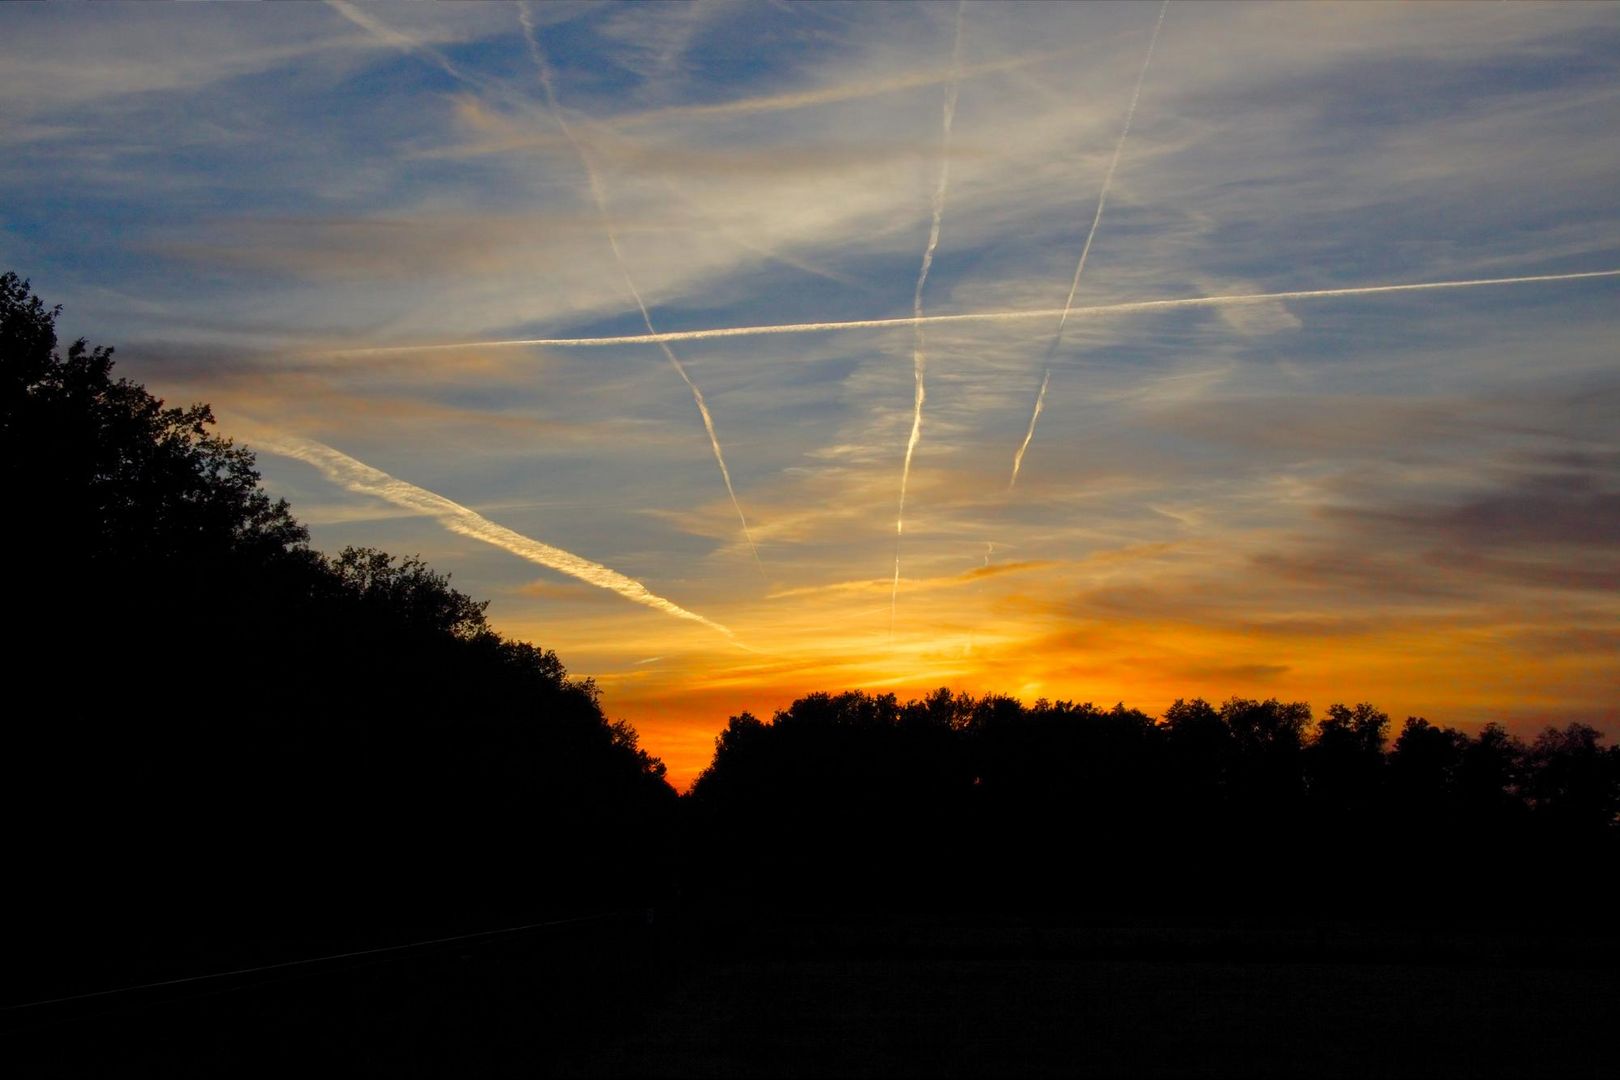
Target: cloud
[[130, 52], [876, 586], [1405, 491], [425, 244], [1233, 674], [1571, 510], [837, 93], [651, 41]]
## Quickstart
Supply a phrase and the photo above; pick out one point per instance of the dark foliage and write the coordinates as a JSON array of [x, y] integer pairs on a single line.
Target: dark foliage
[[1247, 808], [224, 750], [224, 747]]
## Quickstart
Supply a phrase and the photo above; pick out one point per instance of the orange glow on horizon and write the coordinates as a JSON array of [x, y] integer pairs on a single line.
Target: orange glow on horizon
[[1460, 675]]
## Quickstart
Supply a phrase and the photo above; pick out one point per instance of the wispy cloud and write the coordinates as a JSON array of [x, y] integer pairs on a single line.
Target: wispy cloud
[[879, 585], [1251, 475], [857, 90]]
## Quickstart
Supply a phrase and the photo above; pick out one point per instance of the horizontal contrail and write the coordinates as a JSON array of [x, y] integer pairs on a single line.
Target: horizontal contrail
[[362, 479], [1127, 308]]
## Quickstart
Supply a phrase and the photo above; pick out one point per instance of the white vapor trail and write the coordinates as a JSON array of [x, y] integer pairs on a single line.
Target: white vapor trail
[[919, 358], [1085, 250], [1023, 447], [362, 479], [404, 42], [1130, 307], [603, 208]]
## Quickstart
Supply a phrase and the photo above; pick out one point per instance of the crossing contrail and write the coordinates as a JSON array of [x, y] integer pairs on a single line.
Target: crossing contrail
[[1085, 250], [919, 358], [362, 479], [1130, 307], [603, 208], [388, 35]]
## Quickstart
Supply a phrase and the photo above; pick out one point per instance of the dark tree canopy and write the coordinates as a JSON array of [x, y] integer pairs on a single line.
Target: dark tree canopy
[[227, 746], [115, 476], [1245, 808], [225, 740]]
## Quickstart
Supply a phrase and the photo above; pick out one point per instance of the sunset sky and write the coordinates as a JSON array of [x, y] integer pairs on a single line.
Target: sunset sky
[[1410, 497]]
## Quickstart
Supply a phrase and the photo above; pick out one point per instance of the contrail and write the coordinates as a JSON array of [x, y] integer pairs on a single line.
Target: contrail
[[358, 477], [389, 36], [1130, 307], [1085, 250], [1113, 164], [1040, 403], [919, 359], [393, 37], [599, 194]]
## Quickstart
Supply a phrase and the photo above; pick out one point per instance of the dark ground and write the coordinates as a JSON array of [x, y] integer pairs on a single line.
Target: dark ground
[[890, 997], [937, 999]]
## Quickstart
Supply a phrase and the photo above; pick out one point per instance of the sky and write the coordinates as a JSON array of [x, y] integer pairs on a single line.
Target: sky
[[344, 225]]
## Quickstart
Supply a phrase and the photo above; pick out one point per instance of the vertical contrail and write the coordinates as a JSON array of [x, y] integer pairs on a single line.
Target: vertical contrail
[[599, 194], [919, 359], [1085, 250]]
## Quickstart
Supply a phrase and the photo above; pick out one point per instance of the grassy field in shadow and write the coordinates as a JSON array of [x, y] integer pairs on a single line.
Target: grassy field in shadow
[[890, 996], [896, 998]]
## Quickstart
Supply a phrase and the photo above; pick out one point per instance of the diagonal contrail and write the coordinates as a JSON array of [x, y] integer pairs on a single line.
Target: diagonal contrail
[[393, 37], [1085, 250], [402, 41], [603, 208], [1129, 307], [362, 479], [919, 358], [1035, 414], [389, 36]]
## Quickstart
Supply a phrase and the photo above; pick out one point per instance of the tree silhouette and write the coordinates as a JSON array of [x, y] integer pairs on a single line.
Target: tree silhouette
[[1571, 782], [114, 475], [1246, 809], [1344, 763], [230, 744]]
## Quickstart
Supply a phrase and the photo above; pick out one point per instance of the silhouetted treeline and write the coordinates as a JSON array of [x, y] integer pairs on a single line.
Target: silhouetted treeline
[[1255, 808], [223, 746]]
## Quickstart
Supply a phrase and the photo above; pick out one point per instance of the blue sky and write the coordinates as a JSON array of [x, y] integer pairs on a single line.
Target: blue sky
[[1408, 497]]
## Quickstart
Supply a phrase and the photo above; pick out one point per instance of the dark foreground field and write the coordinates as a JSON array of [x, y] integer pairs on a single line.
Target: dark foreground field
[[928, 1000], [887, 997]]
